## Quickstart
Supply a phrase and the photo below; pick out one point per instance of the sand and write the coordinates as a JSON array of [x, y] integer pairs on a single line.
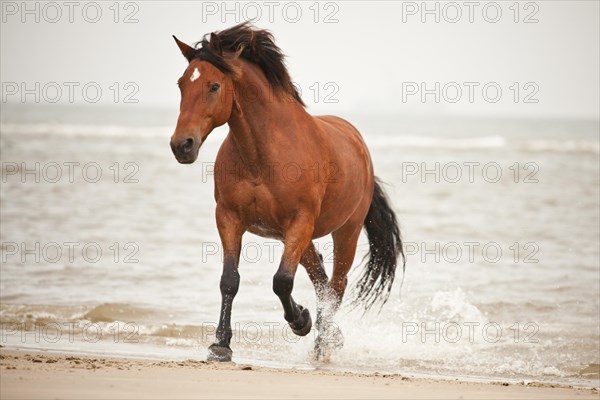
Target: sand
[[43, 375]]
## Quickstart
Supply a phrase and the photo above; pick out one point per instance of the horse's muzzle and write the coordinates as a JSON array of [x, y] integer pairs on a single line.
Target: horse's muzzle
[[185, 150]]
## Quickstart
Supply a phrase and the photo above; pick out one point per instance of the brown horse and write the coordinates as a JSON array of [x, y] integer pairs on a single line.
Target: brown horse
[[282, 173]]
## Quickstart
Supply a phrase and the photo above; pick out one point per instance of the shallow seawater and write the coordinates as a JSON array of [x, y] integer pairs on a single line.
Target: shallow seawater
[[110, 246]]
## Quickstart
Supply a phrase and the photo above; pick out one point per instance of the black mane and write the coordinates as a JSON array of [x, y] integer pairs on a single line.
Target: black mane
[[252, 44]]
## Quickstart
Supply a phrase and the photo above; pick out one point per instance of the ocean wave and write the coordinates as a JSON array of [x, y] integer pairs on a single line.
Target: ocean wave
[[109, 312], [85, 130], [32, 315], [454, 306], [560, 146], [484, 142], [487, 143], [401, 141], [36, 315], [433, 349]]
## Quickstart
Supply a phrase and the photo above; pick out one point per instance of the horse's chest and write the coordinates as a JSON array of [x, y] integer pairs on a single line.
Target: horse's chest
[[259, 205], [258, 208]]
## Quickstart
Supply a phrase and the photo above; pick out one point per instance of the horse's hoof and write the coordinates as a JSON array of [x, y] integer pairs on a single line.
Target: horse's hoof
[[322, 353], [304, 321], [327, 342], [219, 353]]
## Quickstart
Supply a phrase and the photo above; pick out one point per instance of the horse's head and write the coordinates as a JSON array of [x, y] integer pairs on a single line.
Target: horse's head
[[206, 102]]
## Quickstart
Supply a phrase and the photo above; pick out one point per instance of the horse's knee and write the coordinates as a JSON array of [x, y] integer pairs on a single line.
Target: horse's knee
[[283, 283], [230, 282]]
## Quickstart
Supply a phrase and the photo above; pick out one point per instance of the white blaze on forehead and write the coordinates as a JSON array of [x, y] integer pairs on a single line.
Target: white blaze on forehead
[[195, 75]]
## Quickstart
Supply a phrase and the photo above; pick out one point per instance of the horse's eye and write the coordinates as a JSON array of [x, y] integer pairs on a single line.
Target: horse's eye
[[214, 87]]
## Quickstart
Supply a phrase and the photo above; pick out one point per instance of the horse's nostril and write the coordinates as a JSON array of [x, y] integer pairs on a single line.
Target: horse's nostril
[[187, 145]]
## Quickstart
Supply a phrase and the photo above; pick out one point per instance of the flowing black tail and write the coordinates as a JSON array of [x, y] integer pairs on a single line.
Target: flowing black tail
[[385, 245]]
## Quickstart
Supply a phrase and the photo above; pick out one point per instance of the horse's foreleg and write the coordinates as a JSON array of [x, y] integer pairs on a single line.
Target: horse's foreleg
[[297, 239], [230, 232]]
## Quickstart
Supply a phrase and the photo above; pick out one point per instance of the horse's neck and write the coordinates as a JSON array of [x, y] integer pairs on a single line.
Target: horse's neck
[[258, 114]]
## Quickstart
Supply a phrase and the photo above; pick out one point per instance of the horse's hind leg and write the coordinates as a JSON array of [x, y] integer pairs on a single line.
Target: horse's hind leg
[[345, 240], [297, 239], [313, 263]]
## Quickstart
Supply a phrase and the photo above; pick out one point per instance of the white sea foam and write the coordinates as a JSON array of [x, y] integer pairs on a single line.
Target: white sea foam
[[484, 142], [454, 306], [400, 141], [85, 130], [560, 146]]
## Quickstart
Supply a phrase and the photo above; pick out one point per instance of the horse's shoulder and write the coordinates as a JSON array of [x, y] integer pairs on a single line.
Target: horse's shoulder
[[332, 122], [340, 128]]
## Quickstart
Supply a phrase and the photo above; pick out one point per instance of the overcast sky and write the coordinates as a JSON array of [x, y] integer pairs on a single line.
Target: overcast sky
[[376, 56]]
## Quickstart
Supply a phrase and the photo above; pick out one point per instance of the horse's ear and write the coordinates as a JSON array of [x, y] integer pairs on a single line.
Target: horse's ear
[[187, 51], [215, 43]]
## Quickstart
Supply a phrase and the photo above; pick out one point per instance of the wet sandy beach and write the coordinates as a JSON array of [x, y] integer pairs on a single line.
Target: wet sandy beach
[[40, 375]]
